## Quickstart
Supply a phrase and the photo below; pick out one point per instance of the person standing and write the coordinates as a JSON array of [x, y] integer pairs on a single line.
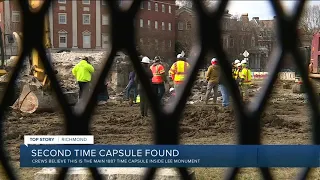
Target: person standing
[[246, 78], [103, 95], [159, 78], [144, 106], [178, 71], [131, 86], [224, 90], [83, 73], [212, 77]]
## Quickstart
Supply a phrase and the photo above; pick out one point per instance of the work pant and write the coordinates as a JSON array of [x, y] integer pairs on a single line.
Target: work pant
[[131, 86], [82, 87], [144, 105], [225, 95], [212, 86], [159, 89], [245, 91]]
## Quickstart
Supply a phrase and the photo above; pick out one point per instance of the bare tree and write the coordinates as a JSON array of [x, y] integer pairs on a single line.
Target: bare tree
[[310, 19]]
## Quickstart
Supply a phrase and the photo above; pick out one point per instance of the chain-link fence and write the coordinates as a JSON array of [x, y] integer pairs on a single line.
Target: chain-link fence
[[166, 120]]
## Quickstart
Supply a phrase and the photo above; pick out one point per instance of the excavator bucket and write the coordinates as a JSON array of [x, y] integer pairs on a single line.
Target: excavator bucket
[[33, 99]]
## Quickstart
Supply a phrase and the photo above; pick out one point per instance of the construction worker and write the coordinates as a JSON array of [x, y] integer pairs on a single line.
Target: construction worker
[[237, 73], [83, 73], [142, 95], [178, 71], [213, 77], [234, 67], [246, 79], [159, 77], [131, 86]]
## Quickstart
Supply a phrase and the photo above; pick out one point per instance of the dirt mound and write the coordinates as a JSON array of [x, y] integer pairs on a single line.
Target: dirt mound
[[197, 119]]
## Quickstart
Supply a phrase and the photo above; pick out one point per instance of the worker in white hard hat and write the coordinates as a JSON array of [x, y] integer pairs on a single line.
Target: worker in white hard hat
[[142, 95], [246, 80], [212, 77], [178, 71], [234, 67]]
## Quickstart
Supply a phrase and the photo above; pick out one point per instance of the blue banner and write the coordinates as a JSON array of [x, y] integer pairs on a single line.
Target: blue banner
[[169, 156]]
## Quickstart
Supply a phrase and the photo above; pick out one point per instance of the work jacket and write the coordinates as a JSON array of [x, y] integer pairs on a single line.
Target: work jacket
[[158, 73], [83, 71], [246, 76], [213, 74], [178, 71]]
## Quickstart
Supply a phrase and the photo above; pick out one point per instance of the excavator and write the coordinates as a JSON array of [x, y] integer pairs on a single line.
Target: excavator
[[36, 94]]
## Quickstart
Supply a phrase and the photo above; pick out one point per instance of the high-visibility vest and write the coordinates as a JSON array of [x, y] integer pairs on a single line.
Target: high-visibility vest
[[237, 74], [138, 99], [246, 75], [178, 71], [157, 71]]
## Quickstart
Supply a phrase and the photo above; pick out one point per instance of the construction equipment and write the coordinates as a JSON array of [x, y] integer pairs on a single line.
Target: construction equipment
[[36, 94]]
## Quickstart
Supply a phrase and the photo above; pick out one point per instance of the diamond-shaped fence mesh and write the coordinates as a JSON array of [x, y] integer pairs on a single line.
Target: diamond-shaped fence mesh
[[167, 120]]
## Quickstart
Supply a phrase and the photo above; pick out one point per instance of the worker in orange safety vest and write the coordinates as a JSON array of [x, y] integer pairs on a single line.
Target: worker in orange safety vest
[[178, 71], [159, 77]]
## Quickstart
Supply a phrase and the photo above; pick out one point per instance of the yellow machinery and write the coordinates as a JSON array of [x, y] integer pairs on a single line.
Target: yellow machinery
[[36, 96]]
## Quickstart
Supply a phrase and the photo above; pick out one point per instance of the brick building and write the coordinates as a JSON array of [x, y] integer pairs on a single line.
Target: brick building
[[155, 25], [84, 25]]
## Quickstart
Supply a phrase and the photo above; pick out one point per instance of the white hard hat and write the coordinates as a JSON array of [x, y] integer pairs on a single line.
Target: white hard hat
[[238, 64], [171, 89], [145, 60], [213, 60], [243, 61], [236, 61], [179, 56]]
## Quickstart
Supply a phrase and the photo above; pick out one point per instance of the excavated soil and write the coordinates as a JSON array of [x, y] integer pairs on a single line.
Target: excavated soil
[[284, 121]]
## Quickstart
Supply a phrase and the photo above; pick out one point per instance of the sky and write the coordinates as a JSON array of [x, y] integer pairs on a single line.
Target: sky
[[260, 8]]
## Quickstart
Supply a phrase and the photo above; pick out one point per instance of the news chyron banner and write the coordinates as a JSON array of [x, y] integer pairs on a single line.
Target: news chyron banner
[[80, 151]]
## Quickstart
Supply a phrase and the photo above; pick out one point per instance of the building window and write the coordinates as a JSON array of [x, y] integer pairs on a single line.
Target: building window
[[15, 16], [156, 24], [180, 26], [85, 1], [231, 43], [62, 40], [163, 8], [105, 19], [142, 5], [149, 24], [149, 5], [188, 25], [62, 1], [141, 22], [170, 43], [163, 26], [163, 45], [105, 41], [252, 42], [86, 38], [103, 2], [62, 18], [0, 17], [156, 8], [86, 19], [141, 41], [169, 26], [169, 9]]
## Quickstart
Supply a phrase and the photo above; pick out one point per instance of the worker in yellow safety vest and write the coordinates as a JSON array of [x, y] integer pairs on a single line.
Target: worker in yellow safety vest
[[235, 68], [178, 71], [246, 80]]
